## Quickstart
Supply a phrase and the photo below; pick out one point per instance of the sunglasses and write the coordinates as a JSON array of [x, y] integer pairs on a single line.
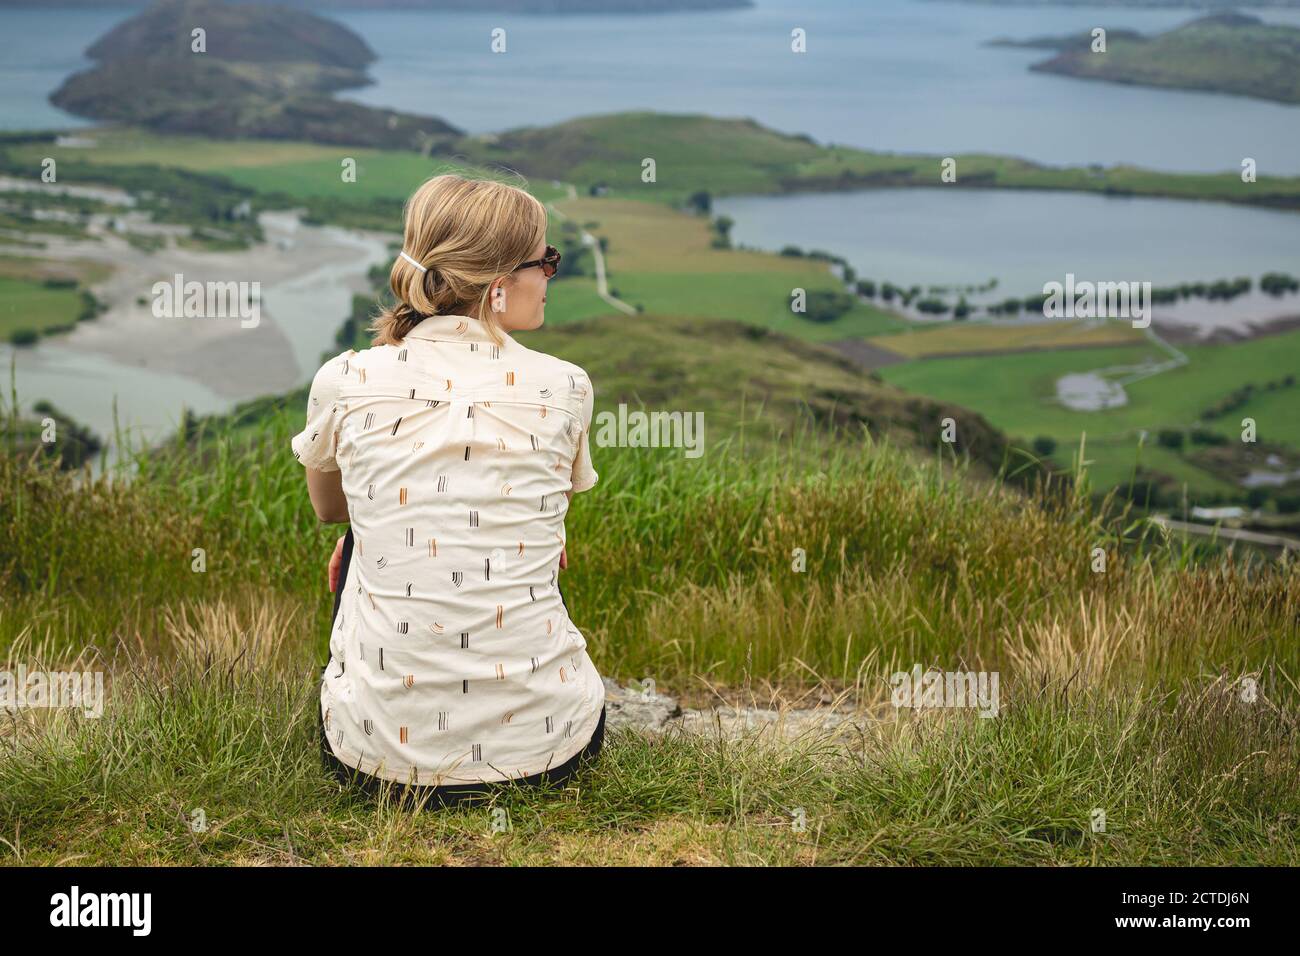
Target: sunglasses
[[550, 262]]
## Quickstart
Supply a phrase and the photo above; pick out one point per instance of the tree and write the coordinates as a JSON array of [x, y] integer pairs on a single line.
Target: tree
[[700, 202], [1171, 438], [826, 306]]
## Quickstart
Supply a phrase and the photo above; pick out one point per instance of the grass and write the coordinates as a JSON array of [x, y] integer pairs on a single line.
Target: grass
[[573, 299], [738, 156], [1121, 690], [692, 153], [1017, 394], [33, 305], [294, 169], [956, 338], [1194, 778], [662, 259]]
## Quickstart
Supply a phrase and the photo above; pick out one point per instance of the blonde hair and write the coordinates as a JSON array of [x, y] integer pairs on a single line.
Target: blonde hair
[[466, 233]]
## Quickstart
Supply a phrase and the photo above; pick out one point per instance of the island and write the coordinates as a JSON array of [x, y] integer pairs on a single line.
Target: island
[[239, 71], [1221, 53]]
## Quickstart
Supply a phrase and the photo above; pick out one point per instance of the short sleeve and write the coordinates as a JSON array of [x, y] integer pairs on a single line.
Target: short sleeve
[[584, 475], [314, 446]]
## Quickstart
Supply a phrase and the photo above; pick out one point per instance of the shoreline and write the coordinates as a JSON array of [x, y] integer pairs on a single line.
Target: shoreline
[[153, 367]]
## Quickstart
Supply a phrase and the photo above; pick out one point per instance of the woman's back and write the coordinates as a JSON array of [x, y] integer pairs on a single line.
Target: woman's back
[[453, 658]]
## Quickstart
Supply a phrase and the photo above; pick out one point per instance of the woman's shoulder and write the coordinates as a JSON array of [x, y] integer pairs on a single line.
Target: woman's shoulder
[[351, 363], [554, 365], [333, 371]]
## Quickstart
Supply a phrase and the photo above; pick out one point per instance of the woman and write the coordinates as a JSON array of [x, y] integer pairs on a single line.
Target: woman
[[454, 451]]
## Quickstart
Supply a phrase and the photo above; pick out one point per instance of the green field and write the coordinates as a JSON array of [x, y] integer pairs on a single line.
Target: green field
[[955, 338], [662, 259], [691, 152], [33, 305], [1017, 394], [294, 169], [729, 157]]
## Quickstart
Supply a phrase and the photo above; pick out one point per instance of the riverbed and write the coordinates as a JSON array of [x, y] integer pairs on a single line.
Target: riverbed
[[131, 370]]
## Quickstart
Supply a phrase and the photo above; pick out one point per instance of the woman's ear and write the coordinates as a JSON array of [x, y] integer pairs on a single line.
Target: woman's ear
[[497, 295]]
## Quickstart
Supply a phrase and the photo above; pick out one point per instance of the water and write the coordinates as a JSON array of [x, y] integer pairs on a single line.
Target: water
[[899, 75], [938, 236], [39, 49], [1089, 392], [125, 370]]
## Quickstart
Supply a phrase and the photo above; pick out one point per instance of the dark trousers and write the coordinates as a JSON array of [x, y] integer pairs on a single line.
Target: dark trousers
[[452, 794]]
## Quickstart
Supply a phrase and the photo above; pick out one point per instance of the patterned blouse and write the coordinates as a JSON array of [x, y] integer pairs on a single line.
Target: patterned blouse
[[453, 659]]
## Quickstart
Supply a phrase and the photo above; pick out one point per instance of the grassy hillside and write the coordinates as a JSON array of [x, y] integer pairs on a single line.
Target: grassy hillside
[[1225, 53], [956, 338], [692, 154], [1120, 689], [734, 156], [1017, 393]]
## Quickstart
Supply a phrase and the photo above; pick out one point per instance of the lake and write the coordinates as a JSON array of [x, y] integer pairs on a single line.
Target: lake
[[899, 75], [938, 236]]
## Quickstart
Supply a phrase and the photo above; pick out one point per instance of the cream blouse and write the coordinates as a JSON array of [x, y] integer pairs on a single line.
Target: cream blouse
[[453, 659]]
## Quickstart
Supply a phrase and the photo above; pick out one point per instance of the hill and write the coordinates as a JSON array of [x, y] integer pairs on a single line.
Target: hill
[[212, 614], [1222, 53], [242, 33], [754, 387], [260, 72], [730, 156]]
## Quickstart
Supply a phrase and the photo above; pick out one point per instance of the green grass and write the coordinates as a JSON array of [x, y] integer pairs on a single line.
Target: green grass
[[1275, 414], [1016, 393], [1113, 463], [299, 170], [1118, 688], [734, 156], [33, 305], [663, 260], [692, 153], [955, 338], [1192, 779], [680, 570], [574, 300], [753, 297]]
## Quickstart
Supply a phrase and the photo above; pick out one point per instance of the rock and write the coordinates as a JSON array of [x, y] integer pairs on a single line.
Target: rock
[[638, 708], [733, 722], [652, 711]]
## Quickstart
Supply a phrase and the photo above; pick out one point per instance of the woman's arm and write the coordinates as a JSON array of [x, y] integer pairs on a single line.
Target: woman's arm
[[325, 488]]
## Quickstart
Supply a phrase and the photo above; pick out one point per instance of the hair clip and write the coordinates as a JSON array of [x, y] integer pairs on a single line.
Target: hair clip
[[412, 261]]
